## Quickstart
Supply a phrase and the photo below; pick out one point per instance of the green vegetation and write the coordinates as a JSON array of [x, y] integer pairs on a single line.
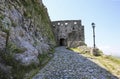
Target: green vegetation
[[110, 63], [114, 59], [33, 10], [39, 18], [14, 24], [1, 17], [43, 59], [12, 48], [1, 24], [20, 71], [7, 38]]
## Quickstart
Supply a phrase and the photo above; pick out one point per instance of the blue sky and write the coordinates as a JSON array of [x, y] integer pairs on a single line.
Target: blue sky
[[104, 13]]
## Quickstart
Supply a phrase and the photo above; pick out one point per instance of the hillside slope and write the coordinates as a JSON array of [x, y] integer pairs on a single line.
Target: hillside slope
[[110, 63], [25, 32]]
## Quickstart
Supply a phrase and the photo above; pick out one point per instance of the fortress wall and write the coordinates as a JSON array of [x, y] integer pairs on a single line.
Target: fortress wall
[[71, 32]]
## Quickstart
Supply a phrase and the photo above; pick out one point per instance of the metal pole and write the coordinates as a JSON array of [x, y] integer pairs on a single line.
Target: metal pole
[[94, 36], [93, 26]]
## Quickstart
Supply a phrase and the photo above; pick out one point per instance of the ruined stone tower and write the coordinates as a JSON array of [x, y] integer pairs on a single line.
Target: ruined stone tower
[[69, 33]]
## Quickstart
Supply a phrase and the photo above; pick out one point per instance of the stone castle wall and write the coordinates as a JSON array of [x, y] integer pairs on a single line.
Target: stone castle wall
[[69, 32]]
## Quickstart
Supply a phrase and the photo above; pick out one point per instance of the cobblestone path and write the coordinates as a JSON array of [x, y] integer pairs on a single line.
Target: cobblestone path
[[67, 64]]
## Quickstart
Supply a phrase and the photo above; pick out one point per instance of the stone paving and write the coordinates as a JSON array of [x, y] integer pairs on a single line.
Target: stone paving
[[67, 64]]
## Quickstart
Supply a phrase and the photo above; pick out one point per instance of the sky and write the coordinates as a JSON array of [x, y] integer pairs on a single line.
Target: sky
[[104, 13]]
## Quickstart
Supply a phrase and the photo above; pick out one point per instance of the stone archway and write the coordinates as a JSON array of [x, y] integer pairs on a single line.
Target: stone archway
[[62, 42]]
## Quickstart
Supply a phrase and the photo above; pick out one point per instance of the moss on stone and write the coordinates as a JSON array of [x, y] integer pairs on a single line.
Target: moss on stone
[[1, 17], [32, 10], [12, 48], [14, 24]]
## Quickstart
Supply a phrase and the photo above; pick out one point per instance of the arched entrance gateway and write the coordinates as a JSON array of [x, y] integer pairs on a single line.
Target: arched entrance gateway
[[62, 42]]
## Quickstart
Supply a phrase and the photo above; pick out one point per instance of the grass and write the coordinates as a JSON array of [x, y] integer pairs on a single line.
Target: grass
[[110, 63]]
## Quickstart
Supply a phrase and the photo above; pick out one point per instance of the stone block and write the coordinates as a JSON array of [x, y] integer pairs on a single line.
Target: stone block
[[95, 51]]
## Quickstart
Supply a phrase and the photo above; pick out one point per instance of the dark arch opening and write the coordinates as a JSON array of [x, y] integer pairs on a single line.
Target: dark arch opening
[[62, 42]]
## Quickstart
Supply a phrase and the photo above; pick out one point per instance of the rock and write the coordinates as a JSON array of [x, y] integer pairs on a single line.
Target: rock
[[27, 29], [27, 25], [95, 52], [27, 59]]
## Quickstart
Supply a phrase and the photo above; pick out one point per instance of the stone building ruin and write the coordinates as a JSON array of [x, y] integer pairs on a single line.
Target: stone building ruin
[[69, 33]]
